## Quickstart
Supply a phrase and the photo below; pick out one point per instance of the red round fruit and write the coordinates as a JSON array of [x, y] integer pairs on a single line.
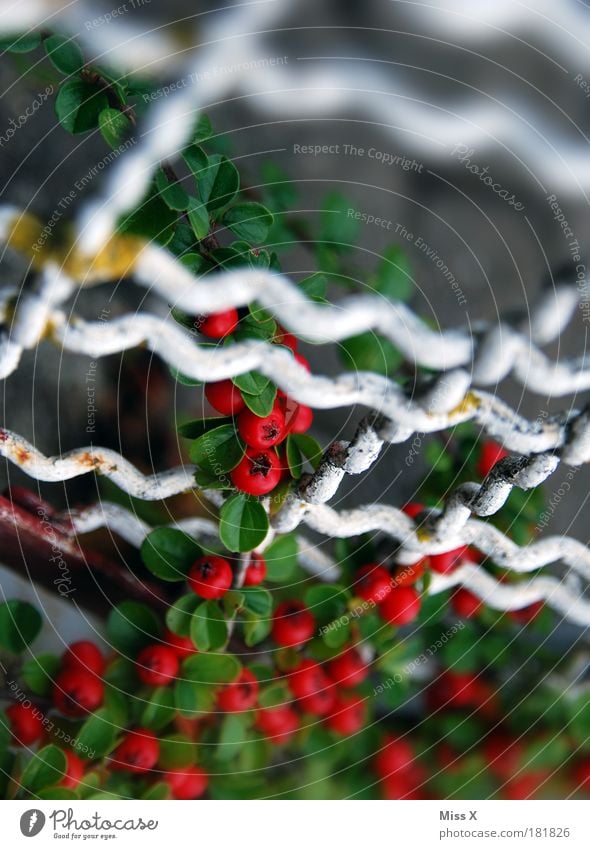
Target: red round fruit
[[465, 603], [395, 756], [255, 571], [413, 509], [26, 723], [262, 432], [288, 407], [293, 624], [283, 337], [217, 325], [401, 606], [490, 454], [504, 755], [581, 775], [74, 770], [348, 669], [526, 614], [257, 473], [190, 782], [279, 724], [210, 577], [452, 690], [182, 646], [306, 679], [347, 716], [157, 665], [373, 582], [407, 574], [137, 752], [448, 560], [77, 692], [526, 785], [85, 654], [302, 420], [321, 703], [225, 397], [241, 694]]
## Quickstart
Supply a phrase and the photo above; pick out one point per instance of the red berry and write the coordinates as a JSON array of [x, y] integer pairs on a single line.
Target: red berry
[[525, 786], [241, 694], [262, 432], [190, 782], [302, 420], [504, 755], [283, 337], [137, 752], [210, 577], [26, 723], [373, 582], [225, 397], [257, 473], [321, 703], [218, 324], [279, 724], [452, 690], [182, 646], [347, 716], [581, 775], [395, 756], [157, 665], [526, 614], [491, 452], [348, 669], [293, 624], [74, 770], [288, 407], [302, 361], [306, 679], [465, 603], [401, 606], [256, 571], [86, 654], [407, 574], [77, 692], [400, 786], [413, 509], [448, 560]]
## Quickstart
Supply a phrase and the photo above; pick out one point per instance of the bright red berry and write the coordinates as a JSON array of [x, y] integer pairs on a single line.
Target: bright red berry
[[279, 724], [347, 716], [406, 574], [449, 560], [157, 665], [74, 770], [182, 646], [302, 420], [137, 752], [491, 452], [225, 397], [283, 337], [465, 603], [77, 692], [293, 624], [86, 654], [257, 473], [190, 782], [210, 577], [321, 703], [348, 669], [307, 678], [401, 606], [218, 324], [262, 432], [26, 723], [373, 582], [241, 694], [396, 755], [413, 509], [255, 571]]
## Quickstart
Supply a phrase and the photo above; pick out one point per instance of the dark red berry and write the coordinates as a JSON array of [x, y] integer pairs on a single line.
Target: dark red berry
[[396, 755], [257, 473], [504, 754], [218, 324], [293, 624], [449, 560], [526, 614], [183, 646], [306, 679], [348, 669], [302, 361], [490, 454], [347, 716], [581, 775], [210, 577], [86, 654], [465, 603], [77, 692], [74, 770], [137, 752], [321, 703], [262, 432], [279, 724], [241, 694], [413, 509], [190, 782], [157, 665], [401, 606], [26, 723], [406, 574], [302, 420], [225, 397], [256, 571], [373, 582]]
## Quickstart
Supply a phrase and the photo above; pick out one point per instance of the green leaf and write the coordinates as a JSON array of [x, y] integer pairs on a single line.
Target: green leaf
[[197, 427], [61, 793], [278, 188], [64, 53], [173, 194], [274, 695], [315, 286], [169, 553], [309, 447], [336, 225], [131, 626], [196, 159], [251, 382], [326, 602], [78, 105], [179, 615], [193, 699], [21, 44], [209, 631], [368, 352], [281, 558], [257, 600], [261, 405], [114, 126], [39, 673], [256, 628], [45, 768], [250, 221], [199, 218], [394, 275], [96, 738], [159, 710], [243, 523], [176, 751], [232, 737], [203, 129], [217, 451], [219, 183], [213, 669], [20, 623], [152, 219], [160, 790], [294, 458]]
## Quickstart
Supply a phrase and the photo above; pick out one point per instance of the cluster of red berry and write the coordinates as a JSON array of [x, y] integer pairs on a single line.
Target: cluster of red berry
[[263, 465]]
